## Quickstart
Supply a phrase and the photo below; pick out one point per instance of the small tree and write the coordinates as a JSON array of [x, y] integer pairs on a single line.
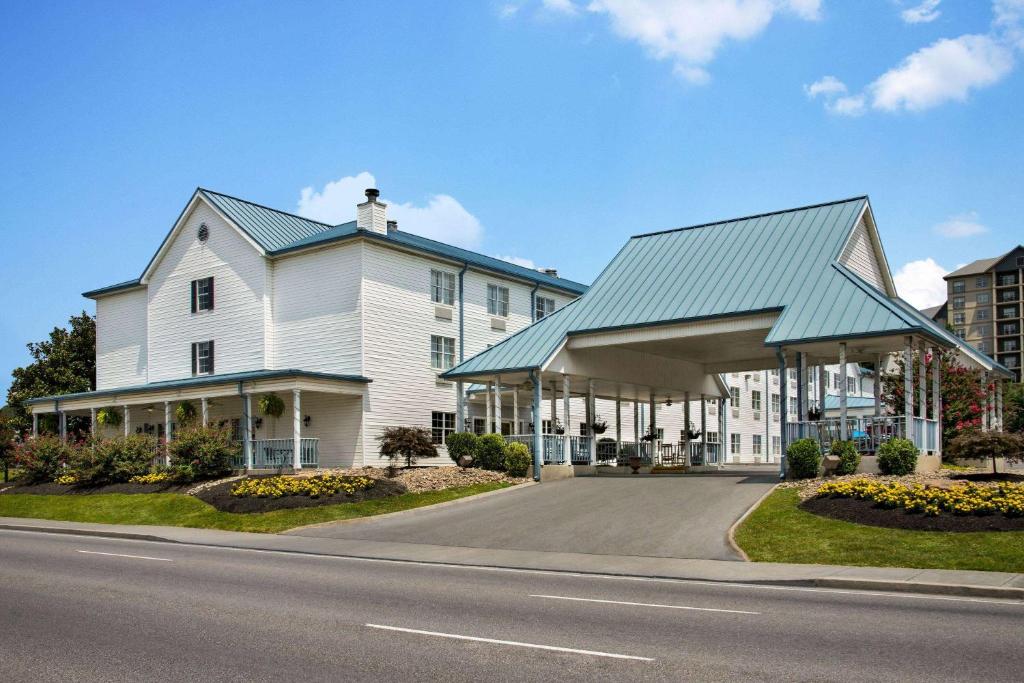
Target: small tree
[[202, 453], [409, 443], [994, 445], [460, 444], [7, 445]]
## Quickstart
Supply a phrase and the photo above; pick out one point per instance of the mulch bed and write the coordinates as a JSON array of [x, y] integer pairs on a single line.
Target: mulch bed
[[868, 513], [52, 489], [988, 476], [220, 497]]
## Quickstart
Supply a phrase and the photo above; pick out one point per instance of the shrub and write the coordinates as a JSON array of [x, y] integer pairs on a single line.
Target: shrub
[[490, 452], [43, 458], [849, 458], [315, 487], [898, 457], [803, 459], [185, 413], [410, 443], [460, 444], [202, 453], [517, 459], [113, 461], [982, 445]]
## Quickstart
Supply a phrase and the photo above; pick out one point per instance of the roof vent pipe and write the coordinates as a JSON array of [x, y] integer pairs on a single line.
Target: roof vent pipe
[[553, 272], [392, 226]]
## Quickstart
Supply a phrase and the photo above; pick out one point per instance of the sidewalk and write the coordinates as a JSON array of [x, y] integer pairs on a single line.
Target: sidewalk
[[934, 581]]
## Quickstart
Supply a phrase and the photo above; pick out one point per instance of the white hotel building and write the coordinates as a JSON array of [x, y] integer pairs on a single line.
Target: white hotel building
[[350, 325]]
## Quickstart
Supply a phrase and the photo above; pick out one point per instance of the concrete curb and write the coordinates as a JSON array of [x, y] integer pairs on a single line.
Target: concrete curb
[[87, 532], [731, 534], [424, 508], [962, 590]]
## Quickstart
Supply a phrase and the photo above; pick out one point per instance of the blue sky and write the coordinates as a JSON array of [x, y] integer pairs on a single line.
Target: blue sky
[[547, 131]]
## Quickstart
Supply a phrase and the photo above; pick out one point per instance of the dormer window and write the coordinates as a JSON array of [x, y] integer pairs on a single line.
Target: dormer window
[[202, 295]]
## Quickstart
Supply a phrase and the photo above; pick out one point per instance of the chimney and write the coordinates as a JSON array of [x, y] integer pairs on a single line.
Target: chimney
[[553, 272], [372, 214]]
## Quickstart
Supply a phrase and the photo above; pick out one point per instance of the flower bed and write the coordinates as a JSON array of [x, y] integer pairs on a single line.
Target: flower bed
[[315, 487], [964, 499]]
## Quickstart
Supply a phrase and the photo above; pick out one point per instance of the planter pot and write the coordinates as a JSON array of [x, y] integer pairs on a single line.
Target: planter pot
[[634, 463]]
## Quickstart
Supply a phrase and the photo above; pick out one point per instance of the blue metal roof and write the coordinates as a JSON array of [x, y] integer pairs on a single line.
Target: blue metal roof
[[832, 402], [783, 261], [278, 232], [205, 380], [110, 289]]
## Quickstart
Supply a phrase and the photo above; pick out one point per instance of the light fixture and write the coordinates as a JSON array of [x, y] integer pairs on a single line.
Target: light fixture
[[258, 422], [306, 420], [669, 402]]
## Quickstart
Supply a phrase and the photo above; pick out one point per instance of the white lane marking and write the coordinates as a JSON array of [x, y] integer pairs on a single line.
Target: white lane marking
[[134, 557], [644, 604], [513, 643], [1009, 602]]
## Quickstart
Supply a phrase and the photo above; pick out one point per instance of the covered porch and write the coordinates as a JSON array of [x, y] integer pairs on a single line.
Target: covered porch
[[320, 420]]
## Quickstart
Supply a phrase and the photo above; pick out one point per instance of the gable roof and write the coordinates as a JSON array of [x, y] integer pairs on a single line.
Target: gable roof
[[974, 267], [276, 233], [786, 261]]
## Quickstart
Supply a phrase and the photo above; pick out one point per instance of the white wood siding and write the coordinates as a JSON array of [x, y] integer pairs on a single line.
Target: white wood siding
[[236, 324], [859, 256], [121, 354]]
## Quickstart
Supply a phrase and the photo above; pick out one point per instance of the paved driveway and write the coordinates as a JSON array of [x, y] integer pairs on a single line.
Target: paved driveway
[[665, 516]]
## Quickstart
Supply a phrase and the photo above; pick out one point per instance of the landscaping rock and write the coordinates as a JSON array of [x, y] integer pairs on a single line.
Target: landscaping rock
[[420, 479]]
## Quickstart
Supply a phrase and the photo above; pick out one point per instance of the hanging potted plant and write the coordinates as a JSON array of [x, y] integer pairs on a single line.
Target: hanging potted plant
[[814, 415], [599, 426], [649, 436], [271, 405], [559, 427], [185, 413], [108, 417], [692, 434]]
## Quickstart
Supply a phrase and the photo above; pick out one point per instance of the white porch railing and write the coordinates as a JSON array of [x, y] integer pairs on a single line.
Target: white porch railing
[[867, 433], [273, 454], [562, 448], [558, 449]]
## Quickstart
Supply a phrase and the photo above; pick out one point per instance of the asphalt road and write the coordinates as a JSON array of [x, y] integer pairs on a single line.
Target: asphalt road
[[94, 609], [681, 517]]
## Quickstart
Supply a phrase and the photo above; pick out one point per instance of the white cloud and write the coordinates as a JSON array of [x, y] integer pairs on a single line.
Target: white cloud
[[946, 70], [827, 86], [920, 283], [961, 225], [442, 218], [519, 261], [847, 106], [508, 10], [560, 6], [690, 32], [923, 13]]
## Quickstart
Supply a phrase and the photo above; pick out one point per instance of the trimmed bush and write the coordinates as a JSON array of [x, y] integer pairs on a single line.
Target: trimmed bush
[[202, 453], [849, 458], [114, 461], [984, 445], [517, 459], [42, 459], [897, 457], [490, 452], [460, 444], [803, 459]]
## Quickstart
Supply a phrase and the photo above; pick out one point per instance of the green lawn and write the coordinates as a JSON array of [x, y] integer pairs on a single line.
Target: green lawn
[[778, 531], [173, 509]]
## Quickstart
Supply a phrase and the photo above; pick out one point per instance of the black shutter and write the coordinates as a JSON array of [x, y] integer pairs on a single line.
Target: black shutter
[[211, 293], [195, 367], [195, 300], [211, 356]]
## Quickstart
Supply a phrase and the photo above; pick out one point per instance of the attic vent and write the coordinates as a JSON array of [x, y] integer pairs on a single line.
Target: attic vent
[[204, 233]]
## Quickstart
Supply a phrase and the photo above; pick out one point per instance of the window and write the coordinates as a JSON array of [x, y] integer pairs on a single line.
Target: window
[[584, 430], [1008, 295], [959, 318], [775, 377], [981, 282], [479, 425], [442, 287], [981, 314], [712, 437], [959, 286], [792, 405], [202, 295], [982, 346], [735, 443], [984, 298], [1007, 311], [835, 380], [958, 302], [202, 358], [756, 444], [545, 427], [497, 300], [851, 385], [441, 425], [755, 400], [776, 445], [734, 397], [1006, 279], [961, 332], [775, 404], [442, 352], [544, 307]]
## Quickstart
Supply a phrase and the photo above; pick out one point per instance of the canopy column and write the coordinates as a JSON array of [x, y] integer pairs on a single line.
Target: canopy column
[[554, 407], [460, 407], [490, 409], [515, 408], [999, 405], [843, 427], [63, 426], [618, 420], [566, 387], [686, 426], [878, 386], [247, 426], [92, 422], [205, 410], [127, 420], [937, 397], [822, 386], [538, 438], [35, 425], [801, 393], [780, 353], [167, 432], [636, 427], [703, 430], [497, 405], [922, 381], [908, 386], [722, 422], [592, 402]]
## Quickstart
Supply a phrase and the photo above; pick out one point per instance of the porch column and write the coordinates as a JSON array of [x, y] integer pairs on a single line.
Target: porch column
[[618, 420], [991, 406], [636, 426], [801, 393], [92, 423], [878, 386], [703, 430], [127, 420], [460, 407], [843, 429], [63, 426], [922, 380], [780, 354], [822, 386], [497, 405], [999, 405], [592, 401], [205, 410], [490, 409], [722, 429], [35, 423], [655, 442], [984, 411], [515, 408], [937, 398], [686, 426], [167, 433], [554, 406], [247, 426], [538, 438], [565, 402], [296, 429], [908, 386]]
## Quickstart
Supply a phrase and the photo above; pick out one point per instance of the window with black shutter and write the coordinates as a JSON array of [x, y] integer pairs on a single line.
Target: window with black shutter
[[202, 295], [202, 358]]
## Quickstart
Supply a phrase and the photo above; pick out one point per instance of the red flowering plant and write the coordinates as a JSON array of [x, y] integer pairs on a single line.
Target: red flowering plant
[[963, 392]]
